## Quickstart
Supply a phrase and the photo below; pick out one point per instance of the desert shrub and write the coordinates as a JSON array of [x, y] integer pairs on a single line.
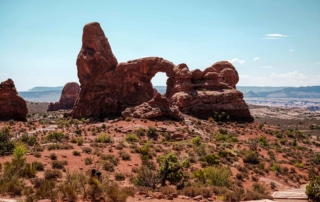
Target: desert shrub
[[131, 138], [6, 145], [312, 189], [54, 147], [226, 138], [103, 138], [46, 189], [111, 158], [88, 161], [197, 141], [52, 174], [76, 153], [140, 132], [13, 186], [28, 171], [146, 177], [152, 132], [58, 164], [108, 166], [196, 191], [125, 156], [237, 194], [87, 150], [37, 154], [276, 168], [316, 158], [79, 141], [119, 176], [211, 159], [119, 146], [39, 166], [279, 135], [53, 156], [30, 140], [57, 136], [116, 194], [259, 188], [171, 169], [251, 157], [166, 190], [214, 176]]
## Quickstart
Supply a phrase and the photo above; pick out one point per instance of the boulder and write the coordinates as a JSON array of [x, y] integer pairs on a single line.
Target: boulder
[[12, 106], [68, 97], [112, 88]]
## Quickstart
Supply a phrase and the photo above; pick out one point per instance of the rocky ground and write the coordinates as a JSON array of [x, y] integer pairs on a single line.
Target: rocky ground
[[281, 158]]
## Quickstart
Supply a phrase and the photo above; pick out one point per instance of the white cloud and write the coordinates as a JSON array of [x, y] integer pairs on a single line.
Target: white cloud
[[293, 78], [270, 38], [256, 58], [276, 35], [237, 61], [291, 50], [266, 67]]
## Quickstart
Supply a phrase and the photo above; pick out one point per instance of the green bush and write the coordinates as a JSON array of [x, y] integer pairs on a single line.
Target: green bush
[[108, 166], [76, 153], [140, 132], [152, 132], [103, 138], [6, 145], [119, 176], [131, 138], [214, 176], [171, 169], [58, 164], [111, 158], [125, 156], [53, 156], [251, 157], [312, 189], [88, 161], [52, 174], [87, 150], [39, 166], [57, 136]]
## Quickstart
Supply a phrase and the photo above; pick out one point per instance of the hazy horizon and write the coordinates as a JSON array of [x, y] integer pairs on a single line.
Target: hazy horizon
[[271, 43]]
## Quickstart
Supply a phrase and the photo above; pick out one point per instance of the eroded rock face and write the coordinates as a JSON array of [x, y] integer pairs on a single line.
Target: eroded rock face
[[157, 107], [109, 87], [12, 106], [69, 94]]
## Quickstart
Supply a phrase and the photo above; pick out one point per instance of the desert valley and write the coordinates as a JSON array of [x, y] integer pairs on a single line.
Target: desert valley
[[116, 138]]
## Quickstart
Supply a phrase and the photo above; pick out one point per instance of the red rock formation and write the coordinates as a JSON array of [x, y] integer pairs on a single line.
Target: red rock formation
[[155, 108], [68, 97], [12, 106], [108, 88]]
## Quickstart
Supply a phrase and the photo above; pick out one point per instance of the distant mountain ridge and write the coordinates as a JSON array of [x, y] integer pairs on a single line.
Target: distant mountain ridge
[[44, 88], [289, 92], [52, 94]]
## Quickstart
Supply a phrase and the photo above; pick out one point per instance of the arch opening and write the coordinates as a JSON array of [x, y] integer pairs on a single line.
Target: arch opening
[[159, 82]]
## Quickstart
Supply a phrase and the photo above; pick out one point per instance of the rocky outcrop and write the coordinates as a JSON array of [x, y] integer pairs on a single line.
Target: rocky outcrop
[[68, 97], [157, 107], [109, 87], [12, 106]]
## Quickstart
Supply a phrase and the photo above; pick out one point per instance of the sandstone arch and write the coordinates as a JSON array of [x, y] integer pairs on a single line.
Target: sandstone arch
[[109, 87]]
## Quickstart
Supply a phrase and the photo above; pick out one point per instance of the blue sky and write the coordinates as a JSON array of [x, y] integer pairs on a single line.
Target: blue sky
[[271, 43]]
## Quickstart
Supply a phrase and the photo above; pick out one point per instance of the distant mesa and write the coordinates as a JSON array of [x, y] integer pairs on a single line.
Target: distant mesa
[[69, 94], [12, 106], [110, 88]]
